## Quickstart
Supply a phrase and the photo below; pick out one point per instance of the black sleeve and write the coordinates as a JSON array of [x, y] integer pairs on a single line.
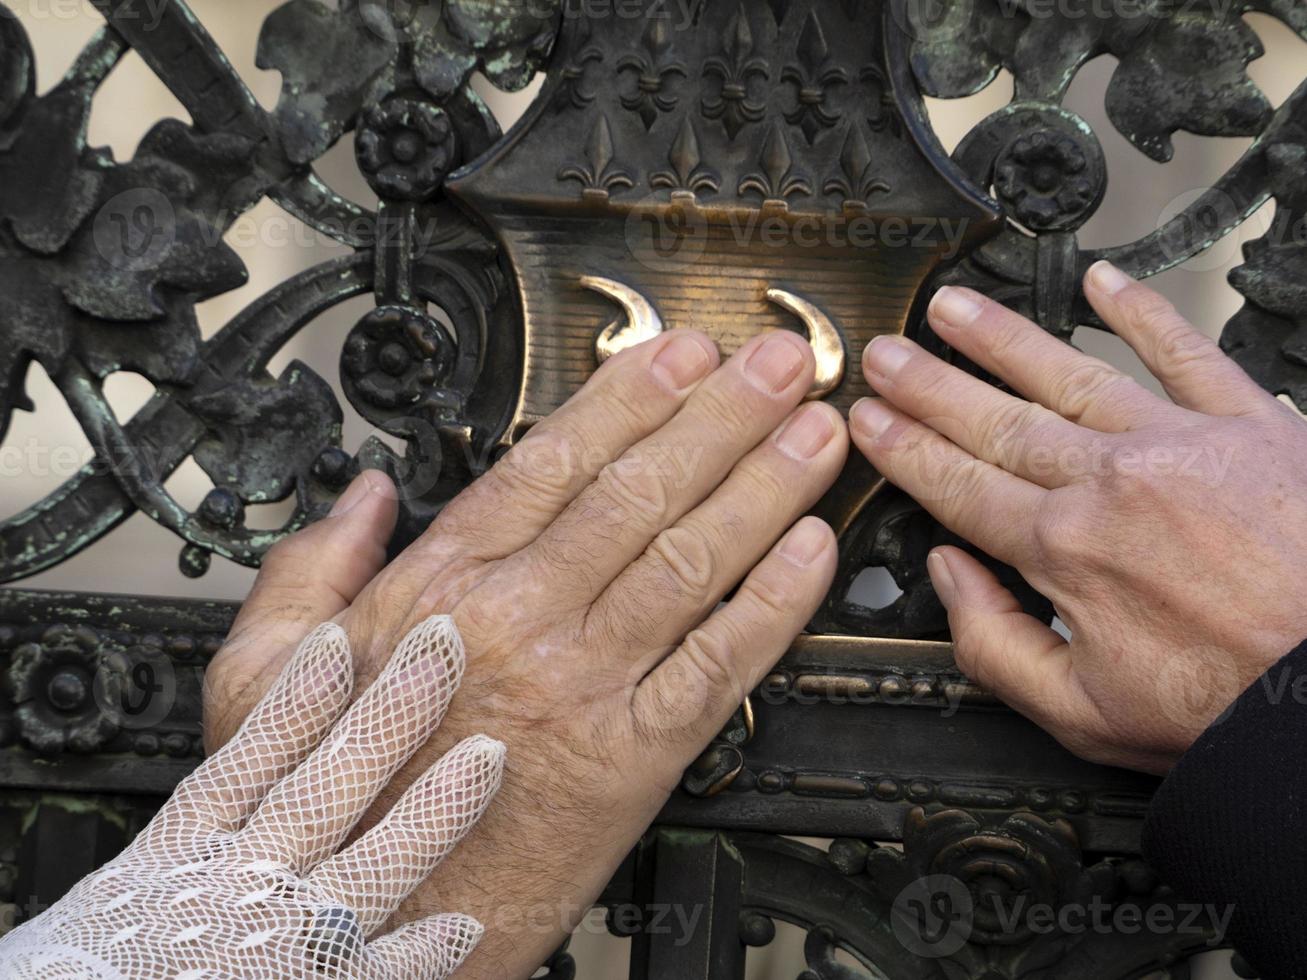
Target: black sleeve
[[1229, 824]]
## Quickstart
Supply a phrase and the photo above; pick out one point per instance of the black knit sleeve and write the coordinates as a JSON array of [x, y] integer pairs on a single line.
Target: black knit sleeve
[[1229, 824]]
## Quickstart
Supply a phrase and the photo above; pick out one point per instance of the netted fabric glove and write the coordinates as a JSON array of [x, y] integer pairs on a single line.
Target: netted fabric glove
[[243, 873]]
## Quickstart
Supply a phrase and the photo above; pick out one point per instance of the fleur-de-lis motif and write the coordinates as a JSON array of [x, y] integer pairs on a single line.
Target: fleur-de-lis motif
[[857, 183], [688, 175], [599, 175], [883, 114], [776, 181], [812, 77], [571, 88], [652, 69], [736, 66]]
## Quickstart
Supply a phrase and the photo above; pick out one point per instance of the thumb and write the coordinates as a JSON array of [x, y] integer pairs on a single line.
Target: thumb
[[1001, 647], [305, 579]]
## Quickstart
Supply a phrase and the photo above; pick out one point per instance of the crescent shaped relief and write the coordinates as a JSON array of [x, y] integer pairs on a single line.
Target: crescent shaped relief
[[641, 322]]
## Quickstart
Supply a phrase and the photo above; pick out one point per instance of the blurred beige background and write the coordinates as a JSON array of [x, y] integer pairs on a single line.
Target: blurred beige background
[[43, 449]]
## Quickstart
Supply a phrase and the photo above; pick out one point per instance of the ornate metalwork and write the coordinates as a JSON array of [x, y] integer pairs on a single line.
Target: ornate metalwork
[[664, 153]]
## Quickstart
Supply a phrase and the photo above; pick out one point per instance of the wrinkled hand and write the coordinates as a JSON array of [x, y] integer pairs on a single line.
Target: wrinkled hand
[[241, 873], [584, 573], [1170, 537]]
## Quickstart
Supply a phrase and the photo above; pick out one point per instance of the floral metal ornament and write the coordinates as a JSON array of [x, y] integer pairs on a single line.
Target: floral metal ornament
[[52, 685], [405, 147], [736, 68], [812, 77], [599, 175], [688, 175], [776, 180], [396, 357], [1045, 180], [652, 70]]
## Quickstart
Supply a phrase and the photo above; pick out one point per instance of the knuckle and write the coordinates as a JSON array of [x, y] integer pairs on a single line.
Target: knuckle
[[967, 653], [1061, 538], [623, 405], [1014, 422], [953, 482], [541, 466], [931, 380], [762, 482], [629, 487], [1180, 345], [1080, 387], [1007, 338], [289, 555], [1153, 311], [712, 654], [687, 558], [732, 408], [771, 592]]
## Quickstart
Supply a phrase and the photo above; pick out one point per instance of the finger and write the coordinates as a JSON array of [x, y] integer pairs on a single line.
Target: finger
[[379, 870], [308, 815], [306, 579], [662, 477], [1022, 437], [1195, 372], [687, 698], [293, 717], [631, 395], [430, 948], [688, 567], [1078, 387], [987, 506], [1001, 647]]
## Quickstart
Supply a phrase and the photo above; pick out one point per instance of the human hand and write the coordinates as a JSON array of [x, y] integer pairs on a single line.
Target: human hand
[[584, 573], [1169, 537], [241, 873]]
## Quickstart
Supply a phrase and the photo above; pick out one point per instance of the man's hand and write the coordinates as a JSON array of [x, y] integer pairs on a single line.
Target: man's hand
[[584, 573], [1170, 537]]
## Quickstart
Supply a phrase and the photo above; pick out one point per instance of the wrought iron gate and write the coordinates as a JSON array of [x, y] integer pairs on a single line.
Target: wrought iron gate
[[666, 140]]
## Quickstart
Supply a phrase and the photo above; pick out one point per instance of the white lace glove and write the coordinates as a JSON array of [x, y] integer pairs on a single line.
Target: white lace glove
[[241, 875]]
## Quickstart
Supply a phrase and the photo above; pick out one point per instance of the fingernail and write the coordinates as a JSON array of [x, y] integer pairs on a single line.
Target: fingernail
[[942, 578], [354, 494], [803, 544], [806, 433], [886, 355], [870, 417], [1107, 278], [682, 362], [775, 363], [955, 307]]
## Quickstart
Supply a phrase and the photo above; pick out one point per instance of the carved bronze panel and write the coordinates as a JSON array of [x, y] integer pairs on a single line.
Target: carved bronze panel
[[735, 165]]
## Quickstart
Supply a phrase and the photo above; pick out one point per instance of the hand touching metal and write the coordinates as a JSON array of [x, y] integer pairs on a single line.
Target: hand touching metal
[[242, 874], [585, 572], [1170, 536]]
